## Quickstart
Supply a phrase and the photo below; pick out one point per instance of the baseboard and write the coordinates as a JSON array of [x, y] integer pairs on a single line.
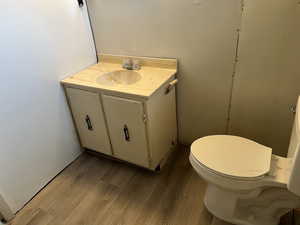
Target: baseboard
[[5, 211], [297, 216]]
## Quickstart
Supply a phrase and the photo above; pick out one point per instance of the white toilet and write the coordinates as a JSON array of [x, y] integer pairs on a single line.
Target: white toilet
[[246, 184]]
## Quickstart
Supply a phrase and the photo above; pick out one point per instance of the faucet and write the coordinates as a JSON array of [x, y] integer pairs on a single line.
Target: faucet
[[130, 64]]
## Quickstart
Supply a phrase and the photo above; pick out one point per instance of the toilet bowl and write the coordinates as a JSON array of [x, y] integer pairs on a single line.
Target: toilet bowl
[[246, 183]]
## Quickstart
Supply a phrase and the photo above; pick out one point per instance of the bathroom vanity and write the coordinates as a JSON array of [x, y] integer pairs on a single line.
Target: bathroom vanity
[[126, 114]]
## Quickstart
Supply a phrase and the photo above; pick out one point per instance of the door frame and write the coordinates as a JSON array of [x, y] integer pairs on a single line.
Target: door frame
[[5, 210]]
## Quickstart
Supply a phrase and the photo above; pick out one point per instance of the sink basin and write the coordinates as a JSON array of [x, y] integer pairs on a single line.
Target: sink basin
[[123, 77]]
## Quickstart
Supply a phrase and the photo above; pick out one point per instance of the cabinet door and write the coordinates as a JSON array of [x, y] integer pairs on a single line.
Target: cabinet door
[[88, 116], [127, 129]]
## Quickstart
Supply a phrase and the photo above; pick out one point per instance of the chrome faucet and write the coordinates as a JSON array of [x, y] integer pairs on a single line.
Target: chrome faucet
[[130, 64]]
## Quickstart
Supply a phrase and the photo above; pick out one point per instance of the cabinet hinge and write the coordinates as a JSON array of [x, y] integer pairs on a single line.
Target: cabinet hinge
[[145, 118]]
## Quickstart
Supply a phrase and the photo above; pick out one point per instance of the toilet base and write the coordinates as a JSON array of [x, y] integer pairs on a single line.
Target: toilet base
[[261, 206]]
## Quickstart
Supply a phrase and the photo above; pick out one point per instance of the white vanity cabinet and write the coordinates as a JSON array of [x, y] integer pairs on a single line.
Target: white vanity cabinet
[[89, 119], [137, 130], [128, 115], [127, 128]]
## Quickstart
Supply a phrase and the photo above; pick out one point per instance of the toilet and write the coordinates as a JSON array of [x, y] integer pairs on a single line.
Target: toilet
[[246, 183]]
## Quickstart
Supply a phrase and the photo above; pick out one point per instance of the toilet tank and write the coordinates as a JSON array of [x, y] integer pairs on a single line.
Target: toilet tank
[[294, 154]]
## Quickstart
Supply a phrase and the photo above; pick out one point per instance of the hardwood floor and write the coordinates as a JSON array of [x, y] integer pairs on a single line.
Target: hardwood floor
[[99, 191]]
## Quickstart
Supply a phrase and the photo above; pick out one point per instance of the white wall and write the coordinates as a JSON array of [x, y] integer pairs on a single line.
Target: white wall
[[41, 42], [200, 33], [267, 81]]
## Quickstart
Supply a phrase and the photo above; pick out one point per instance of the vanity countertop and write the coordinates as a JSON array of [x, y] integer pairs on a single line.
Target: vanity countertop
[[154, 72]]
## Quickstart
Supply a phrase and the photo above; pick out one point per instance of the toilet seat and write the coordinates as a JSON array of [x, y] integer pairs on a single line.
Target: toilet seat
[[232, 156]]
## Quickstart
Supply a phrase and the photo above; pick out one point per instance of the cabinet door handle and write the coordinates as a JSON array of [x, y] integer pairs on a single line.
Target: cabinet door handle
[[88, 122], [126, 133], [80, 3]]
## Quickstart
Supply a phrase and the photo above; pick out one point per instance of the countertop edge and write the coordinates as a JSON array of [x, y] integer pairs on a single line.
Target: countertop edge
[[66, 83]]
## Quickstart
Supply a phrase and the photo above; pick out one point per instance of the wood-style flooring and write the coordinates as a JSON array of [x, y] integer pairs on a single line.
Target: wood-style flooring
[[99, 191]]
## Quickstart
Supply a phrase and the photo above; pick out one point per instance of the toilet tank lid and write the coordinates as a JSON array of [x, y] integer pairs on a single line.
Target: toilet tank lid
[[233, 156]]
